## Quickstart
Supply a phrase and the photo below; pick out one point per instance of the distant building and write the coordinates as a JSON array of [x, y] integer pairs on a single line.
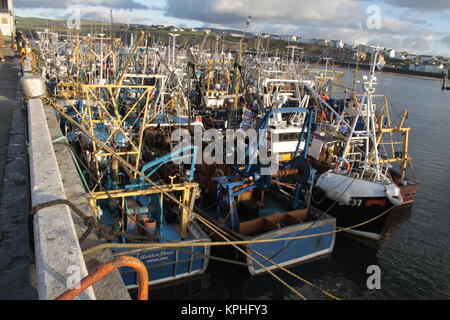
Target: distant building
[[339, 54], [349, 46], [426, 58], [411, 57], [320, 42], [390, 53], [366, 48], [304, 40], [426, 67], [338, 44], [283, 37]]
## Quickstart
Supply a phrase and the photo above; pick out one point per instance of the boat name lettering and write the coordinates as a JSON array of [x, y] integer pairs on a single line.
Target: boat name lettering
[[153, 255]]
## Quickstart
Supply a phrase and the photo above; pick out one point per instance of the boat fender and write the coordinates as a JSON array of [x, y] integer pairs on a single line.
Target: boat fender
[[393, 195], [342, 162], [33, 86]]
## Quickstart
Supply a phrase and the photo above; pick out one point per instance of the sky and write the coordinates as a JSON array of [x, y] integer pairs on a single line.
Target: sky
[[416, 26]]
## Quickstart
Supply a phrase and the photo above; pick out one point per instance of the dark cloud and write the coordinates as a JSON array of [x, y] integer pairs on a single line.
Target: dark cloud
[[429, 5], [235, 12], [57, 4]]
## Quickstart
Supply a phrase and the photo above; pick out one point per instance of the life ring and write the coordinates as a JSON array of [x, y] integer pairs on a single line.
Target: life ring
[[346, 164]]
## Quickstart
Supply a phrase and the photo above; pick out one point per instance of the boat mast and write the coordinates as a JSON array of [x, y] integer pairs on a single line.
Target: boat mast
[[369, 133]]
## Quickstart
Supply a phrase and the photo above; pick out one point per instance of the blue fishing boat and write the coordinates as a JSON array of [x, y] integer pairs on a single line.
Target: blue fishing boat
[[152, 220], [145, 207], [259, 208]]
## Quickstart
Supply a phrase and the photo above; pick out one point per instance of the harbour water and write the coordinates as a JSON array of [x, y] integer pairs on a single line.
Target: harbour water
[[413, 261]]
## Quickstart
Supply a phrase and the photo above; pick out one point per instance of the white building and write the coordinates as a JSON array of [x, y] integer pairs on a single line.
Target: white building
[[283, 37], [390, 53], [338, 44]]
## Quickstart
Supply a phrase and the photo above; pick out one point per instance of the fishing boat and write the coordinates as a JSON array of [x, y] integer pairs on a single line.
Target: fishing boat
[[144, 210], [361, 189], [253, 205]]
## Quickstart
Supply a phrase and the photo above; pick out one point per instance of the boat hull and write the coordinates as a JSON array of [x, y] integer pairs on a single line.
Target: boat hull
[[284, 253], [408, 193], [168, 264], [287, 253], [359, 211]]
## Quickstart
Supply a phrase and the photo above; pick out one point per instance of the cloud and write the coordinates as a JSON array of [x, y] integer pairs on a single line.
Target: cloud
[[98, 14], [405, 24], [339, 19], [430, 5], [412, 17], [112, 4], [281, 11]]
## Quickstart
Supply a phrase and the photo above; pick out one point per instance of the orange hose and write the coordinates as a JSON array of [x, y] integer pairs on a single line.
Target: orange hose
[[106, 269]]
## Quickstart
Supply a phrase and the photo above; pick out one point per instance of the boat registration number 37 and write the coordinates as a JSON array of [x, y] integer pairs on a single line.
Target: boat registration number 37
[[352, 203], [230, 309]]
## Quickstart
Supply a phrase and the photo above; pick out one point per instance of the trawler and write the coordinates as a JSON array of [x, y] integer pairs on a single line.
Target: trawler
[[362, 187], [250, 202]]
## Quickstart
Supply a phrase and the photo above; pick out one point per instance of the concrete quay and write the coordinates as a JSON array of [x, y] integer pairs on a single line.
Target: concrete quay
[[42, 255]]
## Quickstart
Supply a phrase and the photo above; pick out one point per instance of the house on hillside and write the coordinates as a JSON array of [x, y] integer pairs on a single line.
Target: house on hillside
[[427, 67], [338, 44]]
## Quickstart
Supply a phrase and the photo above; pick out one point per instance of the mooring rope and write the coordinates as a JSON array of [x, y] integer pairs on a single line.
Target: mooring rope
[[223, 243], [217, 230]]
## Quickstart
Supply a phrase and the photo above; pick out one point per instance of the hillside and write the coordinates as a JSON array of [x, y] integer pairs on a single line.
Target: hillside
[[161, 35]]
